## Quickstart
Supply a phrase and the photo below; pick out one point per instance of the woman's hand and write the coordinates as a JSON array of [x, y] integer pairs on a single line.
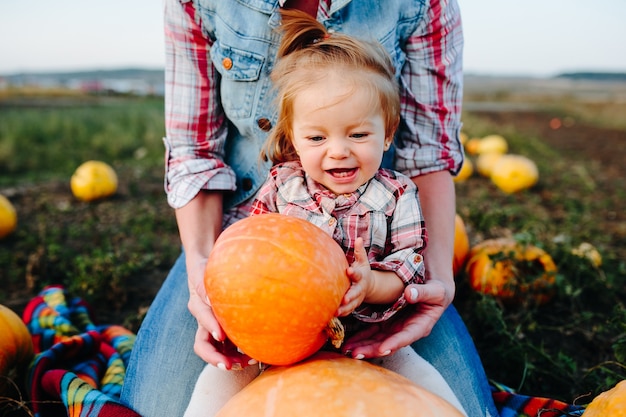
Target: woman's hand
[[211, 343], [199, 224], [428, 302]]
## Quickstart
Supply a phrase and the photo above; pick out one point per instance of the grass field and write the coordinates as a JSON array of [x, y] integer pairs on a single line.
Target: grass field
[[115, 252]]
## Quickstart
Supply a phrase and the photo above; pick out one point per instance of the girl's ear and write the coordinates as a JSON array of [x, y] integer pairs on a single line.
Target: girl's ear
[[388, 142]]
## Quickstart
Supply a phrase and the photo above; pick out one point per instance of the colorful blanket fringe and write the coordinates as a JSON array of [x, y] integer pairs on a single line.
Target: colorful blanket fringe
[[511, 404], [79, 367]]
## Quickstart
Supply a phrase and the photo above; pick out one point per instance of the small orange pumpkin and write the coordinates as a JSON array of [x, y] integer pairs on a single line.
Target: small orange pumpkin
[[16, 348], [461, 245], [331, 385], [511, 271], [611, 403], [275, 283]]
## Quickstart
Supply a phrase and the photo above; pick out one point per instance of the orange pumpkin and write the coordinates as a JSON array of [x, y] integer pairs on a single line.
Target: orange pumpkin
[[611, 403], [275, 283], [461, 245], [511, 271], [16, 348], [332, 385]]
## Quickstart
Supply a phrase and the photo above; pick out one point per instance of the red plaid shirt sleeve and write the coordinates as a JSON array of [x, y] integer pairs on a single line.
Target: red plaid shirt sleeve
[[431, 94], [194, 120]]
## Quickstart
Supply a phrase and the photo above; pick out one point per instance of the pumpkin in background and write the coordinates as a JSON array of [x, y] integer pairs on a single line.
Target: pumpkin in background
[[16, 348], [275, 283], [93, 180], [514, 173], [511, 271], [466, 171], [611, 403], [461, 245], [587, 251], [492, 144], [485, 163], [8, 217], [332, 385], [463, 138], [471, 146]]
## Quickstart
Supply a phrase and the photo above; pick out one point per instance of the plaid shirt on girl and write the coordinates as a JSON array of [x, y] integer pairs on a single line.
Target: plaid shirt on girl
[[385, 212]]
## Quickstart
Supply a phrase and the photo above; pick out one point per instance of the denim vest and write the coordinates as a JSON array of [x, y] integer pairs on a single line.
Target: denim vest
[[244, 53]]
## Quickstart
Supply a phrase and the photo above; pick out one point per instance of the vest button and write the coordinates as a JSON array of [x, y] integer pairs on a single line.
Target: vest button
[[246, 184], [264, 124], [227, 63]]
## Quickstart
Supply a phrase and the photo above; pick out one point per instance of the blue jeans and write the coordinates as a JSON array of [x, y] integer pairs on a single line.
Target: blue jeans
[[163, 366]]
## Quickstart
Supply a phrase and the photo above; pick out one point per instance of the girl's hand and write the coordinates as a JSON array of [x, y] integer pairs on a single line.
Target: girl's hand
[[361, 277], [428, 300]]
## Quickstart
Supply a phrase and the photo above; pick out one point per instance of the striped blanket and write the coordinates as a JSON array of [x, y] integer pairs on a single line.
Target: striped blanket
[[79, 366]]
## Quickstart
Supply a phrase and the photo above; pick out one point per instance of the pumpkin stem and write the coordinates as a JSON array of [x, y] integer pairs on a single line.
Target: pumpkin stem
[[335, 332]]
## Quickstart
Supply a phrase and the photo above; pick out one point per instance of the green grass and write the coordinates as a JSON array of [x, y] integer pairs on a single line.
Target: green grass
[[42, 140], [112, 252], [115, 252], [576, 344]]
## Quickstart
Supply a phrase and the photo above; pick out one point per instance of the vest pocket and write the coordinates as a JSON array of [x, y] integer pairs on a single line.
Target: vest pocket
[[239, 70]]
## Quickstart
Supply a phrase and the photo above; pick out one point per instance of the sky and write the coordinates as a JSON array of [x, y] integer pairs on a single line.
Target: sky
[[502, 37]]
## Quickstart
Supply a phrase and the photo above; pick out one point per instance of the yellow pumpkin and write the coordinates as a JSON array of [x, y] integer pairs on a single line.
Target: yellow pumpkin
[[466, 171], [611, 403], [16, 348], [8, 217], [486, 161], [275, 283], [93, 180], [332, 385], [463, 138], [511, 271], [492, 144], [587, 251], [461, 245], [514, 173]]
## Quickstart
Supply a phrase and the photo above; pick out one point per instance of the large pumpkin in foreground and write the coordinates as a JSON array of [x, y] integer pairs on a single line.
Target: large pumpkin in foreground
[[512, 271], [611, 403], [332, 385], [16, 348], [275, 283]]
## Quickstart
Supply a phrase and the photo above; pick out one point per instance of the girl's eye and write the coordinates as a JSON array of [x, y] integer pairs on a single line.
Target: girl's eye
[[316, 138], [358, 135]]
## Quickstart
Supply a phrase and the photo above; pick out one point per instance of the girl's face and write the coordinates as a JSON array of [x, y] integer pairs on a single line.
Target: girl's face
[[338, 134]]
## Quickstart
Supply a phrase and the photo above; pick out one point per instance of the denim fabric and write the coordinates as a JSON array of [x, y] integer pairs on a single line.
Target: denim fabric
[[450, 349], [163, 367]]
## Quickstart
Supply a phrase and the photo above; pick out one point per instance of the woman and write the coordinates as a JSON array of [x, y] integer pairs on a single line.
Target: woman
[[219, 109]]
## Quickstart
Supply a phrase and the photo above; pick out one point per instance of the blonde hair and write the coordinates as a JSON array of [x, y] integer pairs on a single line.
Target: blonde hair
[[306, 52]]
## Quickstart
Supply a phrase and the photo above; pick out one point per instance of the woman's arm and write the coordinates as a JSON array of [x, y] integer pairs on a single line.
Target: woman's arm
[[196, 175], [438, 199]]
